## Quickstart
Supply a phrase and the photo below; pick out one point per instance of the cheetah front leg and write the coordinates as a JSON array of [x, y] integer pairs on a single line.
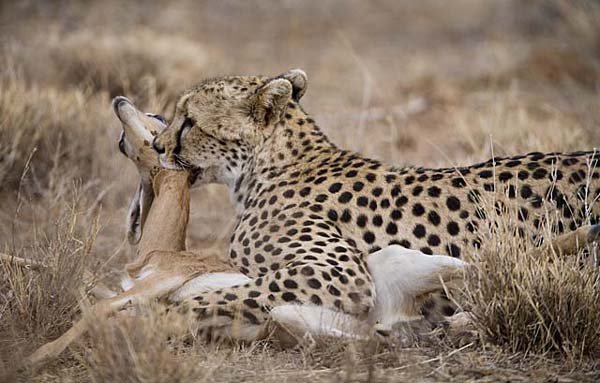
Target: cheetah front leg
[[342, 299]]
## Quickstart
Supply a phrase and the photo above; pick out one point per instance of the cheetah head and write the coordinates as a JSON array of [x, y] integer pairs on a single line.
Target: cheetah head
[[219, 124]]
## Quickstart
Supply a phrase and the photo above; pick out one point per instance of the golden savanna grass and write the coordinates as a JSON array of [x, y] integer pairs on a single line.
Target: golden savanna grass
[[413, 83]]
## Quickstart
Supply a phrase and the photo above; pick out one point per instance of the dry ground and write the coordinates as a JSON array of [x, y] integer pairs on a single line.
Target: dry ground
[[420, 83]]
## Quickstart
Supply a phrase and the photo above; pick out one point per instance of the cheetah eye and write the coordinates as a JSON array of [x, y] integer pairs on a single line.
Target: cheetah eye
[[187, 123], [185, 127]]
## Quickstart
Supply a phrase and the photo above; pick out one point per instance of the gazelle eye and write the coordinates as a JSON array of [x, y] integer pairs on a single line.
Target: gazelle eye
[[160, 118]]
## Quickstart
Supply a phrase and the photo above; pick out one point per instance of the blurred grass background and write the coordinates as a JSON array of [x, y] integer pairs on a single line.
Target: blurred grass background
[[428, 83]]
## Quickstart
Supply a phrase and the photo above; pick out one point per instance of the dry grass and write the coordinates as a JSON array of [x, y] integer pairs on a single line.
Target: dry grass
[[420, 83], [134, 350], [546, 305], [535, 300]]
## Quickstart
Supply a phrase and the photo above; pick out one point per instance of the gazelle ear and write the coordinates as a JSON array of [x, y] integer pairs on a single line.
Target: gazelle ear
[[299, 82], [138, 211], [270, 101]]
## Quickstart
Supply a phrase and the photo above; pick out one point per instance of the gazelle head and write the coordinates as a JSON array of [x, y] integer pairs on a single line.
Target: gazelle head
[[139, 129]]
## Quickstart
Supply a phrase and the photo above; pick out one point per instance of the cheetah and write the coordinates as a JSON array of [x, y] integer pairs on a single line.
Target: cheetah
[[309, 214]]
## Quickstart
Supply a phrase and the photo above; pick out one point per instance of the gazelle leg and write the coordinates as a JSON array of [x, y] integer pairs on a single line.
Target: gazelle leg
[[154, 286]]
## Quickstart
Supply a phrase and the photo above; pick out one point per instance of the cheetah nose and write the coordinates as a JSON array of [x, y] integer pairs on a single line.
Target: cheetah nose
[[160, 149]]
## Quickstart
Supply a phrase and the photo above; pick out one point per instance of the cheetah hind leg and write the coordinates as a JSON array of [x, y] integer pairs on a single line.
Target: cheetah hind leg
[[408, 287], [437, 308], [404, 279]]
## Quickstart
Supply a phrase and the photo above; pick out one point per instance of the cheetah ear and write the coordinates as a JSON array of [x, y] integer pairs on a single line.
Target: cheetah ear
[[270, 101], [299, 82]]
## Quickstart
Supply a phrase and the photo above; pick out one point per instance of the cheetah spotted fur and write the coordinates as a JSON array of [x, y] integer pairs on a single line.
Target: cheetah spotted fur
[[310, 213]]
